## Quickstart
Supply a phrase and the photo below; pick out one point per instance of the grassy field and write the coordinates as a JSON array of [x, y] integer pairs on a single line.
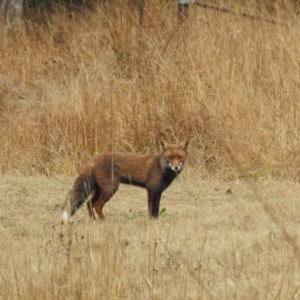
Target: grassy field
[[74, 84], [208, 244]]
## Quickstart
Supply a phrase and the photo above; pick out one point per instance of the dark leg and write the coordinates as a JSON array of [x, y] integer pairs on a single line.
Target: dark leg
[[90, 210], [183, 12], [91, 203], [142, 7], [153, 204], [150, 203], [155, 208]]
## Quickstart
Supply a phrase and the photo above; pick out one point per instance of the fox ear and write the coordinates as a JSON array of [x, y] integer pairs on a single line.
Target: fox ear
[[163, 144], [184, 144]]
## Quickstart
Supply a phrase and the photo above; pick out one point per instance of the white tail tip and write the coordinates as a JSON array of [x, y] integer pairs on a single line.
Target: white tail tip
[[64, 216]]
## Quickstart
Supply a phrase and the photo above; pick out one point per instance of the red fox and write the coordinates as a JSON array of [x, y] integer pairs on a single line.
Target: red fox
[[102, 176]]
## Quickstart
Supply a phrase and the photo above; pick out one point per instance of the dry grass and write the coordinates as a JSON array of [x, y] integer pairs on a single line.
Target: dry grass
[[73, 85], [78, 84], [207, 245]]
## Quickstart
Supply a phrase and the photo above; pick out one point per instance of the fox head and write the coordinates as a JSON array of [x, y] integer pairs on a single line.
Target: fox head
[[173, 156]]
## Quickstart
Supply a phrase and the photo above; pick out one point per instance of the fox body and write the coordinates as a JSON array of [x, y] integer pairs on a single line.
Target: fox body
[[102, 176]]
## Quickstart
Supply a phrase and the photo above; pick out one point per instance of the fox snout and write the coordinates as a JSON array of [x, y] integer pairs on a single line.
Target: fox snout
[[176, 168]]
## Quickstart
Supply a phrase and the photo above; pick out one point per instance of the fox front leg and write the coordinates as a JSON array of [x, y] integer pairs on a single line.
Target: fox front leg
[[153, 204]]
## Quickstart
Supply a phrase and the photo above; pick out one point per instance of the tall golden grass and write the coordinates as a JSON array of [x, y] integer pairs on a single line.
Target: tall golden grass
[[73, 85]]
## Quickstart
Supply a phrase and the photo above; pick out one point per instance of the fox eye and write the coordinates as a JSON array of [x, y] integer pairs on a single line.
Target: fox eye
[[178, 157]]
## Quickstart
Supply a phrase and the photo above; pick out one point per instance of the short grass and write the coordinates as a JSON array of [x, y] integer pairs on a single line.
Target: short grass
[[213, 241]]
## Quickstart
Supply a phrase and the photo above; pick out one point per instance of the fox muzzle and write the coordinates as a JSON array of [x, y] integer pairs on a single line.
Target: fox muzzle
[[176, 168]]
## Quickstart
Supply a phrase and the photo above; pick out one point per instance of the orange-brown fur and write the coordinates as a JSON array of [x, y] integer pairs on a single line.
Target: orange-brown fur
[[101, 178]]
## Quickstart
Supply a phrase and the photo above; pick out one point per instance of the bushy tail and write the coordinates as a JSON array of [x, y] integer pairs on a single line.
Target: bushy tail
[[82, 188]]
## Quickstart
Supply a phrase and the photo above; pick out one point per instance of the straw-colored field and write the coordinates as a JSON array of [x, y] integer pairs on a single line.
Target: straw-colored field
[[208, 244], [74, 84]]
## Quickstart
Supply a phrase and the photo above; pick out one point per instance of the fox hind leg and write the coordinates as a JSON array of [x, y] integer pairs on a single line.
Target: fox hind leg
[[105, 195], [91, 203], [90, 210]]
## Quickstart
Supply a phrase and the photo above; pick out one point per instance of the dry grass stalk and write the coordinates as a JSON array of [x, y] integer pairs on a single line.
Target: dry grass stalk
[[98, 82]]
